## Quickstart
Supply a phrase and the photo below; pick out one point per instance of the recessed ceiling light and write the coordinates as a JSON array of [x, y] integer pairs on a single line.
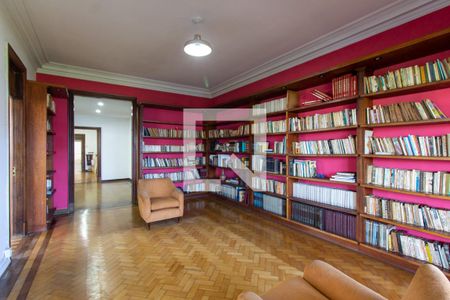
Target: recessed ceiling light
[[100, 104], [98, 111], [197, 47]]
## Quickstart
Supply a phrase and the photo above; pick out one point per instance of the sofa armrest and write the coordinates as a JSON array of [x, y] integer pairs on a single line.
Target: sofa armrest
[[177, 194], [248, 296], [144, 204], [336, 285], [428, 283]]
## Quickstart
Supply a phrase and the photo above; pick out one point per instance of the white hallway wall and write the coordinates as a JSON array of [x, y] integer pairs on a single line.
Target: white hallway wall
[[8, 35], [90, 140], [116, 143]]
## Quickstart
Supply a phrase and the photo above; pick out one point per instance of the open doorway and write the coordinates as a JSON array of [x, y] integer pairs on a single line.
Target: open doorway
[[102, 152]]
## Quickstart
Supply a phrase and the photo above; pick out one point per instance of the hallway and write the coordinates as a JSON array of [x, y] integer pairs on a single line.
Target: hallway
[[96, 195]]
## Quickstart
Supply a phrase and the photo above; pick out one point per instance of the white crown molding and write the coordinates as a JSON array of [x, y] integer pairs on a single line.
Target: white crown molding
[[390, 16], [121, 79]]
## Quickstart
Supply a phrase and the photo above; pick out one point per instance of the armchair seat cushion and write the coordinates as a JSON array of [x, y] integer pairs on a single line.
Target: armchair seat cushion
[[294, 288], [164, 203]]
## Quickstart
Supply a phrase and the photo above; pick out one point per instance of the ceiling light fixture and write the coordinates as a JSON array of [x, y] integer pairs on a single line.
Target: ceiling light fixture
[[98, 111], [197, 47], [100, 104]]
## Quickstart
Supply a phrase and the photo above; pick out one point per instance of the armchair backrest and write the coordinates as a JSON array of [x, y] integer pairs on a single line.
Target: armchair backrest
[[428, 283], [160, 187]]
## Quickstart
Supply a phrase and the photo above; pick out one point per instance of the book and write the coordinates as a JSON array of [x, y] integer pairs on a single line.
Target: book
[[325, 195], [325, 147], [346, 117], [270, 203], [270, 106], [226, 133], [269, 127]]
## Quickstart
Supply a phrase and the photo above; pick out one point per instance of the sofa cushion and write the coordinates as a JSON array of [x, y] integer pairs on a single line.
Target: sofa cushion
[[163, 203], [294, 288]]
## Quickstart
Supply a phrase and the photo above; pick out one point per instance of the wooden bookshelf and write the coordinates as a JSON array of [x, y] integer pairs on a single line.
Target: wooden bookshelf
[[326, 104], [443, 158], [324, 180], [322, 155], [370, 186], [409, 123], [410, 90], [324, 130], [441, 234]]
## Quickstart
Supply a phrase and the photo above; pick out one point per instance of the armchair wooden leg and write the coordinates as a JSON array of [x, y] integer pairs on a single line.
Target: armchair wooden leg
[[179, 219], [148, 226]]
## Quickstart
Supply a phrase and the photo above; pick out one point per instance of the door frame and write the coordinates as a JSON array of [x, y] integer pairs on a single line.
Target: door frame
[[71, 131], [17, 76], [99, 148], [82, 138]]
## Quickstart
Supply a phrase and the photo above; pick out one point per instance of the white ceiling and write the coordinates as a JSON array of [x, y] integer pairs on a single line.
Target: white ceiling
[[145, 38], [111, 108]]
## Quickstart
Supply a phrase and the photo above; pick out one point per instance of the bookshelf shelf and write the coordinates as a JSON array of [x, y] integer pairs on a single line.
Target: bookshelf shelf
[[170, 152], [370, 186], [176, 167], [269, 173], [325, 180], [270, 134], [229, 137], [415, 123], [232, 184], [323, 130], [326, 206], [270, 154], [322, 105], [275, 195], [169, 138], [441, 234], [322, 155], [443, 158], [410, 90]]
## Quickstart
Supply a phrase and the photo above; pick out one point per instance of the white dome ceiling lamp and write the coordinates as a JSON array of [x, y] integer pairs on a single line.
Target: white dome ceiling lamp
[[197, 47]]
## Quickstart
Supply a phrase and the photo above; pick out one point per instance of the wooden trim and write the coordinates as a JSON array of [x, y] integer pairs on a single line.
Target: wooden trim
[[82, 138], [71, 153], [99, 147], [115, 180]]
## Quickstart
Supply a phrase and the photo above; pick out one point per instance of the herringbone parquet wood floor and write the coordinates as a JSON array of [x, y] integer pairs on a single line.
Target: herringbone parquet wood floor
[[216, 252]]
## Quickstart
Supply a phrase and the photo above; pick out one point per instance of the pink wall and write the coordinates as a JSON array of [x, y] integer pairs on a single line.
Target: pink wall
[[60, 159], [428, 24]]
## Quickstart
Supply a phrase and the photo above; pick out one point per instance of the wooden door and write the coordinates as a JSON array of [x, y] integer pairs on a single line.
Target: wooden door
[[16, 116]]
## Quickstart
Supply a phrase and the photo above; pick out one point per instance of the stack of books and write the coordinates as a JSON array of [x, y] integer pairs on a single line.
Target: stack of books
[[344, 86], [325, 147], [410, 76], [269, 127], [346, 117], [390, 239], [404, 112], [270, 106], [226, 133], [428, 182], [325, 195], [269, 185], [303, 168], [344, 177], [411, 145], [331, 221], [408, 213], [270, 203]]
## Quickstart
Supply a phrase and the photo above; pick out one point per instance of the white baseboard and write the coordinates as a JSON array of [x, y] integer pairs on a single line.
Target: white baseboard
[[4, 263]]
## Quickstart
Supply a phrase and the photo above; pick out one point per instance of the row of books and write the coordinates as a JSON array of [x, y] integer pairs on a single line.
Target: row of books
[[173, 133], [344, 86], [235, 146], [173, 148], [269, 185], [279, 147], [269, 127], [428, 182], [325, 195], [346, 117], [303, 168], [390, 239], [268, 164], [225, 133], [193, 187], [236, 193], [175, 176], [51, 103], [331, 221], [410, 76], [270, 106], [224, 161], [408, 213], [403, 112], [411, 145], [325, 147], [270, 203], [151, 162]]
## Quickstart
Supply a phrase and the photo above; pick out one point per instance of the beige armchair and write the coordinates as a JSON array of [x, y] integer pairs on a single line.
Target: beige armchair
[[159, 199]]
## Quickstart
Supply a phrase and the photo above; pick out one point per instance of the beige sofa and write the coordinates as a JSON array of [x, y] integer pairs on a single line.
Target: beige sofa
[[322, 281], [159, 199]]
